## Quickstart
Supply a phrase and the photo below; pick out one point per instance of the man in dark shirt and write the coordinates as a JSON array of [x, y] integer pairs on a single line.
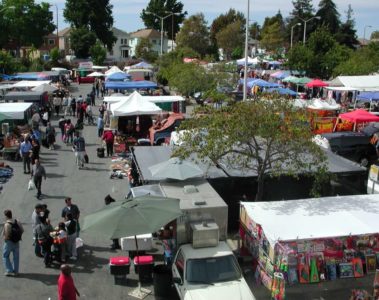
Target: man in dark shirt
[[74, 210], [38, 172]]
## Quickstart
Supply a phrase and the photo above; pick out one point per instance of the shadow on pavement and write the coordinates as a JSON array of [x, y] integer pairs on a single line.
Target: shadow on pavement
[[44, 196], [48, 279], [55, 175], [87, 262]]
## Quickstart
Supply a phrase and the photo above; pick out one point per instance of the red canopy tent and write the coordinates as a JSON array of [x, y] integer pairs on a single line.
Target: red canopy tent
[[316, 83], [358, 116]]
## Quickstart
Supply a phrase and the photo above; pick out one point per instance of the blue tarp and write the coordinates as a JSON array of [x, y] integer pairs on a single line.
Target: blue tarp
[[30, 76], [118, 76], [261, 83], [282, 91], [125, 85], [368, 96]]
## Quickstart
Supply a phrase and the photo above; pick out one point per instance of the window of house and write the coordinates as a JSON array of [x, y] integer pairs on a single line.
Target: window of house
[[51, 41], [125, 53], [154, 42], [111, 52]]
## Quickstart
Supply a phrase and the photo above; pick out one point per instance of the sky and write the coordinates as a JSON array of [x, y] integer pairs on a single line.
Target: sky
[[126, 12]]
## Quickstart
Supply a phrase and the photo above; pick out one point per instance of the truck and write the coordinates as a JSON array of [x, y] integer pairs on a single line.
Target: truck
[[203, 266]]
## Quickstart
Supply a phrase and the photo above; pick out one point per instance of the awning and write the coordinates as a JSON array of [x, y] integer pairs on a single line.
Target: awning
[[359, 116], [13, 111], [125, 85], [30, 84]]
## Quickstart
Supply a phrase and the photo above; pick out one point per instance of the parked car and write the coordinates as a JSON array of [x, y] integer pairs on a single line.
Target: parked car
[[355, 146]]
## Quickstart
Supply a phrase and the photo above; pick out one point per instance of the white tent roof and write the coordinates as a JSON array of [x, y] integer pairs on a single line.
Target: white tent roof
[[154, 99], [96, 74], [134, 105], [319, 104], [112, 70], [45, 88], [249, 60], [30, 83], [361, 83], [316, 217], [14, 111]]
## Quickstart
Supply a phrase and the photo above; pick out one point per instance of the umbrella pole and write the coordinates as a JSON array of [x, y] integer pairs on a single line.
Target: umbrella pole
[[139, 292]]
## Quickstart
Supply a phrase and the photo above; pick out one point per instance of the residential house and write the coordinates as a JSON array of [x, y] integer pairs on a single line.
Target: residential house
[[64, 42], [121, 48], [154, 38]]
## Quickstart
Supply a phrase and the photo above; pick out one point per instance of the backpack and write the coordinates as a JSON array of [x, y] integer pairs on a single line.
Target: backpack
[[16, 232]]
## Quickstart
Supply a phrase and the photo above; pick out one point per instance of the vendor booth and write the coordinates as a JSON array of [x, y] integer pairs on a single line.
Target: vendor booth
[[311, 240], [323, 115], [354, 120], [130, 85]]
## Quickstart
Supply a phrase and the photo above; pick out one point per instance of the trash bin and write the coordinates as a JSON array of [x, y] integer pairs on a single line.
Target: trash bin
[[162, 281], [143, 266]]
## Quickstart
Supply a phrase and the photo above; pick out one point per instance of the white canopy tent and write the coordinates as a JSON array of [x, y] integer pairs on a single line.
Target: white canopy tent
[[112, 70], [14, 111], [250, 61], [45, 88], [96, 74], [316, 218], [360, 83], [319, 104], [134, 105], [30, 83], [154, 99]]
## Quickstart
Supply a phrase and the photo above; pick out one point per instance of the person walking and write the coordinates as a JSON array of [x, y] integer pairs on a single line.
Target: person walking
[[69, 132], [43, 237], [12, 233], [50, 136], [108, 137], [35, 151], [61, 123], [38, 171], [36, 120], [66, 287], [25, 149], [79, 146], [57, 102], [100, 126], [68, 106]]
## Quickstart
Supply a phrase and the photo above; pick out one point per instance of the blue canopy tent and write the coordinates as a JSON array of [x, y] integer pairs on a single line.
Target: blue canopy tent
[[282, 91], [30, 76], [262, 83], [118, 76], [368, 96], [142, 65], [128, 85]]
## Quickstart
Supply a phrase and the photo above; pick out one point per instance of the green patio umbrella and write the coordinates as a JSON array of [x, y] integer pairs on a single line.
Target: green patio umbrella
[[140, 215], [302, 80], [176, 168], [291, 79]]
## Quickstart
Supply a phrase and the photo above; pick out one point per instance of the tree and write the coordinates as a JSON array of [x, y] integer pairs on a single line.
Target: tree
[[81, 41], [95, 15], [194, 34], [347, 33], [54, 55], [98, 53], [24, 23], [188, 78], [144, 50], [255, 31], [302, 9], [268, 138], [361, 62], [272, 36], [374, 35], [7, 63], [230, 38], [329, 15], [163, 8]]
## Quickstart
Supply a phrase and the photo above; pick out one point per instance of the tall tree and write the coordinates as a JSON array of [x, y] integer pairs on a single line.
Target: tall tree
[[223, 20], [267, 138], [82, 40], [98, 54], [255, 31], [144, 50], [163, 8], [272, 36], [230, 38], [194, 34], [374, 35], [95, 15], [329, 16], [302, 10], [24, 23], [347, 34]]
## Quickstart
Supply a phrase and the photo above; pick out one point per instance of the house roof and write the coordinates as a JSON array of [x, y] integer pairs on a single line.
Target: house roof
[[65, 31], [146, 33], [119, 32]]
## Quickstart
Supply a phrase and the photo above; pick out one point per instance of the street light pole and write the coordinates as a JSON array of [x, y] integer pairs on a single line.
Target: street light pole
[[246, 49], [305, 25], [364, 32], [161, 18], [297, 24]]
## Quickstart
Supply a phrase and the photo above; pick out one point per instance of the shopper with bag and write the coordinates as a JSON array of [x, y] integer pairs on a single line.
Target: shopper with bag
[[38, 171], [79, 147], [44, 239], [12, 234], [71, 227]]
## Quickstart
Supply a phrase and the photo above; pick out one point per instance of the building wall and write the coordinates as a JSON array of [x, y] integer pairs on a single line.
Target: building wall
[[120, 51], [155, 42]]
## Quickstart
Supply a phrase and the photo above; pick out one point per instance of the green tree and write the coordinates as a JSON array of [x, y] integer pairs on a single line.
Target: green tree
[[272, 36], [361, 62], [194, 34], [375, 35], [164, 8], [237, 53], [268, 138], [54, 55], [347, 34], [144, 50], [7, 63], [81, 41], [330, 17], [255, 31], [24, 23], [188, 78], [302, 9], [230, 38], [98, 53], [95, 15]]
